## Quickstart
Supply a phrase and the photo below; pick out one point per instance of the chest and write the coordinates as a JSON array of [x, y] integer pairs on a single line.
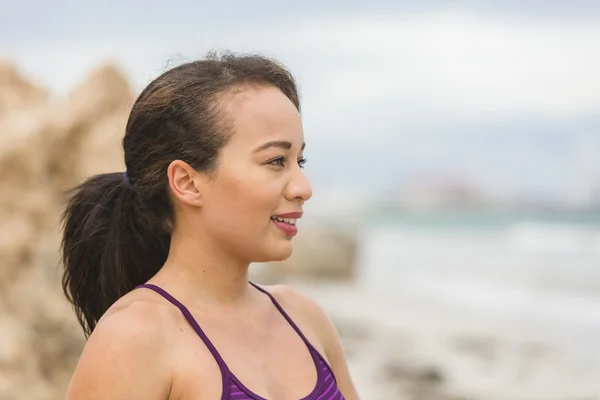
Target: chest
[[268, 358]]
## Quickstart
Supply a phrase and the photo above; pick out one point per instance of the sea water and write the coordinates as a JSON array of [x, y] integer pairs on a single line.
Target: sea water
[[539, 269]]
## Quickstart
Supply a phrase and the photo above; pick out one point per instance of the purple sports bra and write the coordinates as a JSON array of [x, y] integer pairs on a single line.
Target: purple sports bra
[[325, 389]]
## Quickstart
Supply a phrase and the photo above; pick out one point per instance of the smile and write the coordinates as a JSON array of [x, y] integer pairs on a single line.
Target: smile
[[287, 225], [291, 221]]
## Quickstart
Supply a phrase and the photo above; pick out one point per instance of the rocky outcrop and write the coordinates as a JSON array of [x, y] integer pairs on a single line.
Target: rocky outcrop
[[16, 91], [46, 149], [320, 254]]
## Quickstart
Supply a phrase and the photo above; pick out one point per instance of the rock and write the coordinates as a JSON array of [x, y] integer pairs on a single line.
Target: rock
[[104, 137], [320, 254], [482, 348], [46, 149], [13, 343], [94, 117], [16, 91], [16, 235], [419, 383]]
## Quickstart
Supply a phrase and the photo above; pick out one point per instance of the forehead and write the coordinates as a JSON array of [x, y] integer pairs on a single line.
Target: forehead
[[259, 114]]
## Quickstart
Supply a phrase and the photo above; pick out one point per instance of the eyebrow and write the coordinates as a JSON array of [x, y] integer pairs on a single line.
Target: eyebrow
[[282, 144]]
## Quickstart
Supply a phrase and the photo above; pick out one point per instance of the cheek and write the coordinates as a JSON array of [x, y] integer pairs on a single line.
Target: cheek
[[254, 182], [249, 195]]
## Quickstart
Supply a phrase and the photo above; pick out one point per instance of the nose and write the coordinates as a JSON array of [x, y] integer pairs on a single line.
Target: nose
[[298, 187]]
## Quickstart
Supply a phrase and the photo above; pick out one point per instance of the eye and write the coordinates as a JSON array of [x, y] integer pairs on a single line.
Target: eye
[[280, 162]]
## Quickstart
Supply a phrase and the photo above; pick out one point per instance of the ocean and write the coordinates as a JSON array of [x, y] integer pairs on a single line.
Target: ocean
[[540, 270]]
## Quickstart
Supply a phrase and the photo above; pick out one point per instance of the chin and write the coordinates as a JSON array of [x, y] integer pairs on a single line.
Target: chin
[[278, 252]]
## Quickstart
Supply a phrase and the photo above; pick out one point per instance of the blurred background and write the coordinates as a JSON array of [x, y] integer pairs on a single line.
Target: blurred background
[[454, 152]]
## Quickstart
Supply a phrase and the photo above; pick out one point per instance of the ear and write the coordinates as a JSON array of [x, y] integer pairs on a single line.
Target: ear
[[184, 183]]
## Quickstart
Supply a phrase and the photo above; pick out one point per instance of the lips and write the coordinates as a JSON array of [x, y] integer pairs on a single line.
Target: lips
[[287, 228], [295, 215], [287, 222]]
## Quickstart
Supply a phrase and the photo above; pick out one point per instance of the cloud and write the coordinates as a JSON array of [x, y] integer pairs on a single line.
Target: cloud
[[454, 66], [449, 66], [500, 95], [64, 18]]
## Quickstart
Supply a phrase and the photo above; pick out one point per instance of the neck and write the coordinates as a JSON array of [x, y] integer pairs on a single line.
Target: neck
[[202, 272]]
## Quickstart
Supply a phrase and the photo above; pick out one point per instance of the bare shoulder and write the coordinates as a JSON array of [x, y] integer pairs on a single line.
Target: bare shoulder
[[314, 315], [299, 303], [126, 356], [309, 311]]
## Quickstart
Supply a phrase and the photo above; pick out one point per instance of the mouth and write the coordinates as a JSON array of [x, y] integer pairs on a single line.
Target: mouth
[[287, 222], [290, 221]]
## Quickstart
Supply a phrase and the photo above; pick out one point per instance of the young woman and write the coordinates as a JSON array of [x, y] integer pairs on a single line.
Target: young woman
[[156, 258]]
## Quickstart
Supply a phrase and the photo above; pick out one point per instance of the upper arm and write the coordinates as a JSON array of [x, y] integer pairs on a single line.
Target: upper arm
[[124, 359], [328, 336]]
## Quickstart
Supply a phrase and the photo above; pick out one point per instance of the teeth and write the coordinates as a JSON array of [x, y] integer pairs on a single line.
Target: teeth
[[291, 221]]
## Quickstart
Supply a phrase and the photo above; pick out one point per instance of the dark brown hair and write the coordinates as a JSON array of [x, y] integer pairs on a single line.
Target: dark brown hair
[[116, 227]]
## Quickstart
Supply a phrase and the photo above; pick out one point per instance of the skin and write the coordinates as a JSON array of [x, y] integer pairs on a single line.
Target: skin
[[143, 348]]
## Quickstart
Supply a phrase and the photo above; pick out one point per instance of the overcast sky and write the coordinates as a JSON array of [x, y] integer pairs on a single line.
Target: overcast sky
[[505, 92]]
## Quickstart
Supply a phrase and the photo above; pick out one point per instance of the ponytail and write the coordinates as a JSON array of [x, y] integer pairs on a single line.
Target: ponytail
[[111, 243]]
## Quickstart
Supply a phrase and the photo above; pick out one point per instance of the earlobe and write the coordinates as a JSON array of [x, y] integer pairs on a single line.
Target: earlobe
[[183, 183]]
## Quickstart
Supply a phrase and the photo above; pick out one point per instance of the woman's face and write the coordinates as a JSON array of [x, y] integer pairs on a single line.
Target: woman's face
[[259, 177]]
